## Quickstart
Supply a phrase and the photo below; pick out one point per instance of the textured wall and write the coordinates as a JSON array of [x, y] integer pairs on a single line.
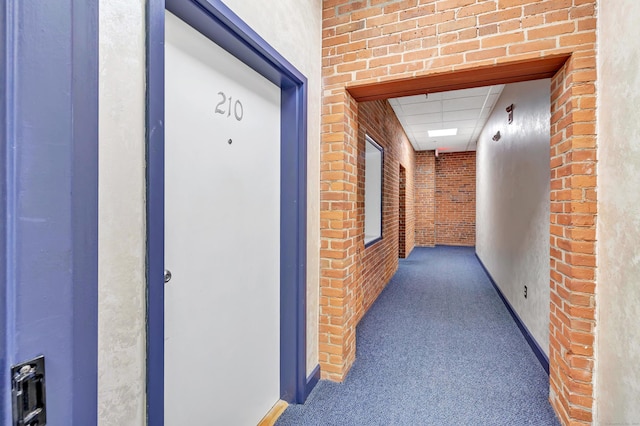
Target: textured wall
[[455, 199], [513, 202], [121, 329], [618, 296], [379, 261], [294, 29]]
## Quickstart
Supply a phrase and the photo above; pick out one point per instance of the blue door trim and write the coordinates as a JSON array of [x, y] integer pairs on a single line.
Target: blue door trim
[[217, 22], [4, 101], [49, 196]]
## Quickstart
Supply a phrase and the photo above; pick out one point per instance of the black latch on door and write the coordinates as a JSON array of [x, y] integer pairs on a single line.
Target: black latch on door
[[28, 393]]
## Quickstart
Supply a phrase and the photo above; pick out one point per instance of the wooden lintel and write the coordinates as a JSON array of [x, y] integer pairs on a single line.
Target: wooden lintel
[[505, 73]]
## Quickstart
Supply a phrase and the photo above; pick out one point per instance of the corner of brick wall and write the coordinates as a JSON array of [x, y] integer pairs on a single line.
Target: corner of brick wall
[[573, 239], [425, 193], [407, 216], [340, 271]]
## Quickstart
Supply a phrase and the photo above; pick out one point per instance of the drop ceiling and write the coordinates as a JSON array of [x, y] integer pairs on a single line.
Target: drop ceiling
[[466, 110]]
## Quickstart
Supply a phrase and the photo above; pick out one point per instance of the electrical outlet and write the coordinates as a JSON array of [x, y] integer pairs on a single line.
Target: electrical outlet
[[525, 291]]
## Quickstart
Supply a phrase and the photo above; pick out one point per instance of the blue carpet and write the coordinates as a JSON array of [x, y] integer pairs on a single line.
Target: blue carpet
[[438, 347]]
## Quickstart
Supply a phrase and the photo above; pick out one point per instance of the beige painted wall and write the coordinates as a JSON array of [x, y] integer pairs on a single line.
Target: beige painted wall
[[294, 29], [618, 281], [512, 203], [291, 27], [121, 245]]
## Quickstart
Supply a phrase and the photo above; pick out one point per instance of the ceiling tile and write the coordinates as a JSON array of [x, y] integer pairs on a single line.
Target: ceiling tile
[[465, 93], [423, 119], [469, 114], [462, 104], [460, 124], [421, 108], [467, 110], [415, 99]]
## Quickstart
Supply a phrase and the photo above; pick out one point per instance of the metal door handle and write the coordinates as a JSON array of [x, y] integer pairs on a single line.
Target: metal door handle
[[167, 276]]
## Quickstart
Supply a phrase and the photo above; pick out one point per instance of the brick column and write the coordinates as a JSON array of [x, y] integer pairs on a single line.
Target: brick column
[[425, 191], [338, 234], [573, 239], [402, 213]]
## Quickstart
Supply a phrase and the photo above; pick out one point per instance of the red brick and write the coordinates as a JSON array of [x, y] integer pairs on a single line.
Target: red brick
[[414, 40]]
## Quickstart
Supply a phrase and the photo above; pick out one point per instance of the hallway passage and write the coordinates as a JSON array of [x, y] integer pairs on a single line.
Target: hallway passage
[[438, 347]]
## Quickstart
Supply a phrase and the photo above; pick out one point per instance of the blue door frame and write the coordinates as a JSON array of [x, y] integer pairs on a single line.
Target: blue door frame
[[4, 91], [217, 22], [49, 201]]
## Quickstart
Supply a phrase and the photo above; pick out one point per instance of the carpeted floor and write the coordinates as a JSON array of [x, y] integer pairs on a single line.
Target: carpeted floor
[[437, 348]]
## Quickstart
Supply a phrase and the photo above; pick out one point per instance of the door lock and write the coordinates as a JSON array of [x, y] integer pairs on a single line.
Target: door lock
[[28, 393], [167, 276]]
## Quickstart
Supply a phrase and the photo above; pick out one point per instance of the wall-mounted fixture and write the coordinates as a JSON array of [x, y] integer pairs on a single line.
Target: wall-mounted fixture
[[510, 111], [497, 136]]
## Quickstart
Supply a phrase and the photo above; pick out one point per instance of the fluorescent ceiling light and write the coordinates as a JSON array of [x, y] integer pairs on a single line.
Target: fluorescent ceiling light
[[442, 132]]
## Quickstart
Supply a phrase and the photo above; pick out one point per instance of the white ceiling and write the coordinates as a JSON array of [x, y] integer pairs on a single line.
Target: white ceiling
[[467, 110]]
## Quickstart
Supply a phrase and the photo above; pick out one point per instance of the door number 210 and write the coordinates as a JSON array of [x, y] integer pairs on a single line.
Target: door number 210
[[238, 110]]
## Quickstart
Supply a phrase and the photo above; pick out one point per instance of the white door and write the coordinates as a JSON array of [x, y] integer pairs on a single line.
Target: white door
[[222, 235]]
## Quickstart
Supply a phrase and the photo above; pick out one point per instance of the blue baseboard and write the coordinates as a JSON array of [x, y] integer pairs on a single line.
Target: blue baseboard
[[537, 350], [312, 381]]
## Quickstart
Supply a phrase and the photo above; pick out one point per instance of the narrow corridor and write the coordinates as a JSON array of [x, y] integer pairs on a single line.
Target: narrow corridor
[[437, 348]]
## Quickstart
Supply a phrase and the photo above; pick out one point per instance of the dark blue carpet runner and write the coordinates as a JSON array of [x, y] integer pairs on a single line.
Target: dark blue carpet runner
[[438, 347]]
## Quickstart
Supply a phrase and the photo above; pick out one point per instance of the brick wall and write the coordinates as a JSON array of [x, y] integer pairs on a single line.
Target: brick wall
[[425, 201], [573, 239], [375, 41], [379, 261], [455, 199], [445, 199]]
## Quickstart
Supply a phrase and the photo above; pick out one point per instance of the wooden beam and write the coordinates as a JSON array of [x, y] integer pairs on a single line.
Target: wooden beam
[[511, 72]]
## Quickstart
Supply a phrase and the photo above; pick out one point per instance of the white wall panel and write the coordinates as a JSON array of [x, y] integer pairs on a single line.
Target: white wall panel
[[512, 210]]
